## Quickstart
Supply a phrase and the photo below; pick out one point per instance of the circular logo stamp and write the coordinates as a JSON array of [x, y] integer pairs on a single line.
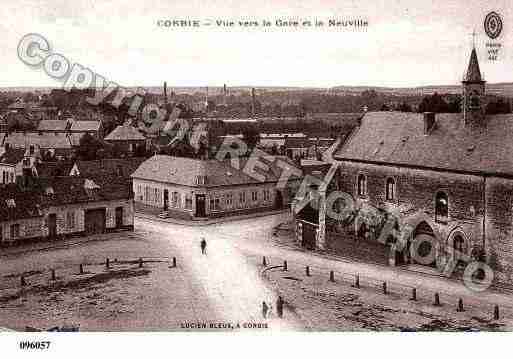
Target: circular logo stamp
[[493, 25]]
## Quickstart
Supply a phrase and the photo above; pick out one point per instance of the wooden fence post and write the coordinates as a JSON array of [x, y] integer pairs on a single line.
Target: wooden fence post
[[414, 294], [357, 281], [332, 276], [496, 312], [264, 261], [285, 267], [437, 299], [384, 287], [307, 271]]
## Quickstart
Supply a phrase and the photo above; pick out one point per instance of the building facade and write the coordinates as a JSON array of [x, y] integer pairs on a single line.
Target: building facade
[[194, 189], [444, 180]]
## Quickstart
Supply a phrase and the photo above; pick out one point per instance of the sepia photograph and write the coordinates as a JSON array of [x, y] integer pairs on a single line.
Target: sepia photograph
[[275, 171]]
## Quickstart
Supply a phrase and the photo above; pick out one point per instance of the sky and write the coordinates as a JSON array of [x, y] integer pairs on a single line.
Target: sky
[[406, 43]]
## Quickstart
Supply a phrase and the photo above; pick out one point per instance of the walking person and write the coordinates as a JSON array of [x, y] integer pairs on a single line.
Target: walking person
[[203, 246], [265, 309], [279, 307]]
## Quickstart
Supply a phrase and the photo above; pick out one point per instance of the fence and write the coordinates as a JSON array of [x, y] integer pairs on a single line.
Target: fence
[[419, 293]]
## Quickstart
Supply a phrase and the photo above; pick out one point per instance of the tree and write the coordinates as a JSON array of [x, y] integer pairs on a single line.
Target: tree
[[250, 136], [89, 148]]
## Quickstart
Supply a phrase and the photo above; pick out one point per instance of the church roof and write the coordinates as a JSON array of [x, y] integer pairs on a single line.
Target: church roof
[[398, 138], [473, 73]]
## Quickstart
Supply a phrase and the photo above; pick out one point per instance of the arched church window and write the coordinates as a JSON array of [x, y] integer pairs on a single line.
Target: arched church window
[[362, 185], [474, 101], [390, 189], [441, 207]]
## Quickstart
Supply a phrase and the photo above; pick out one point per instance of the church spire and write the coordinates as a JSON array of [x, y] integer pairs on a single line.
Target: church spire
[[473, 72]]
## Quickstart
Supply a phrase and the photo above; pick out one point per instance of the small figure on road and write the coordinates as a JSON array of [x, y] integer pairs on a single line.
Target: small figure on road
[[265, 309], [203, 246], [279, 307]]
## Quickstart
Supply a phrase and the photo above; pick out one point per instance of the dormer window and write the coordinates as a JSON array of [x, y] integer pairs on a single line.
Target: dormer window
[[10, 203], [362, 185], [201, 180]]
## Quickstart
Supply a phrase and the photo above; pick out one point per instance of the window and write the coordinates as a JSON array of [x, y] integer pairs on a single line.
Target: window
[[15, 230], [267, 195], [155, 195], [26, 162], [70, 219], [242, 197], [31, 149], [441, 207], [390, 189], [459, 243], [147, 194], [254, 196], [12, 177], [175, 199], [229, 199], [188, 201], [362, 185], [214, 204]]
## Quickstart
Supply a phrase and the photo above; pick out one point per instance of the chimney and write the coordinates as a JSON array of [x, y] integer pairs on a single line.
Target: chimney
[[224, 94], [165, 92], [429, 122]]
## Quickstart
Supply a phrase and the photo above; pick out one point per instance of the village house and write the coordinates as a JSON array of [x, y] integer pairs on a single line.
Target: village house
[[126, 138], [197, 189], [53, 208], [71, 126], [60, 145], [447, 178], [14, 162]]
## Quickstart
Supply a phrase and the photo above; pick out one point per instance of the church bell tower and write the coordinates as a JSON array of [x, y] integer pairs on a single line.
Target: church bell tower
[[473, 104]]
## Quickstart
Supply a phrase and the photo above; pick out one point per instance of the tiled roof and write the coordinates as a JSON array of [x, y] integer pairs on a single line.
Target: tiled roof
[[46, 192], [44, 140], [186, 171], [125, 133], [12, 156], [127, 166], [53, 169], [398, 138], [85, 125], [52, 125]]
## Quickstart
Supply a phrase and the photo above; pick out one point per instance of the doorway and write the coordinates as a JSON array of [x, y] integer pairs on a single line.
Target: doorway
[[166, 200], [52, 225], [200, 205], [119, 217]]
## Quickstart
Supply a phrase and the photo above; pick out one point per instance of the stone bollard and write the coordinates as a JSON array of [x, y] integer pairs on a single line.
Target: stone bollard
[[285, 268], [460, 306], [279, 307], [174, 262], [332, 276], [357, 281], [264, 261], [307, 271], [496, 312], [437, 299], [140, 262], [384, 287], [413, 294], [23, 281], [107, 263], [53, 274], [81, 269]]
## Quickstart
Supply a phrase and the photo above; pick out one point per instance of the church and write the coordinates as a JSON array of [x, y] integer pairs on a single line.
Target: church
[[449, 176]]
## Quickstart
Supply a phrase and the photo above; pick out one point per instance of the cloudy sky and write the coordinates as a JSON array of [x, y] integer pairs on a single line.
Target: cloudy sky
[[407, 43]]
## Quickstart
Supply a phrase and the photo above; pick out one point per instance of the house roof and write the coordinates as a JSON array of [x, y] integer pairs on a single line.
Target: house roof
[[125, 132], [127, 166], [43, 140], [53, 168], [28, 201], [398, 138], [53, 125], [12, 156], [84, 125], [186, 171]]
